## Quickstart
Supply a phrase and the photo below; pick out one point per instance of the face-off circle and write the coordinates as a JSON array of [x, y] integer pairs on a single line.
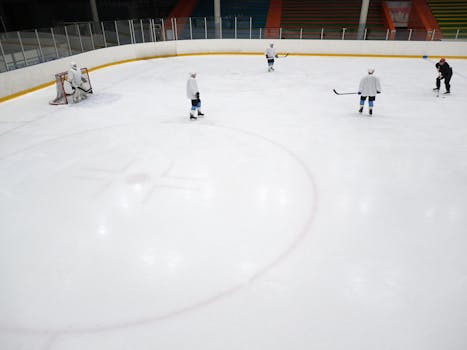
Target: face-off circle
[[131, 224]]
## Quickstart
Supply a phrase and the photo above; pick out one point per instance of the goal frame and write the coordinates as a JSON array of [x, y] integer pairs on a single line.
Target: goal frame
[[64, 89]]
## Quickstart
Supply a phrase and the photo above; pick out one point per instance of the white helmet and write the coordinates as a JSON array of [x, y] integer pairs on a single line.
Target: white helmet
[[73, 65], [371, 70], [193, 74], [271, 44]]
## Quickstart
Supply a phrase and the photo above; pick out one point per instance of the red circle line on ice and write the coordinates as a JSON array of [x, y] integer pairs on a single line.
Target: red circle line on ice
[[286, 252]]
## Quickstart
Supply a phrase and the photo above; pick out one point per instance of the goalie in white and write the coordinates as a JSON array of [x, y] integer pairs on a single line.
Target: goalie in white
[[76, 80]]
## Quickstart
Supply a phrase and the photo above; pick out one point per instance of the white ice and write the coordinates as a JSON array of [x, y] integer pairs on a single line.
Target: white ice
[[281, 220]]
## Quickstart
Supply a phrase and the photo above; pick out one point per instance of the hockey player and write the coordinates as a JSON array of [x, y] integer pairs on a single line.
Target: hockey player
[[76, 81], [192, 93], [270, 55], [444, 72], [369, 87]]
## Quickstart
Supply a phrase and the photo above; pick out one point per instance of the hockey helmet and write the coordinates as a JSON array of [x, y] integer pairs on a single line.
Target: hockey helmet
[[371, 70], [73, 65], [442, 59], [193, 74]]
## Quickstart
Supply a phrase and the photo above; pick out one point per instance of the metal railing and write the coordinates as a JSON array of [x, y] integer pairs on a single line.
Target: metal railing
[[25, 48]]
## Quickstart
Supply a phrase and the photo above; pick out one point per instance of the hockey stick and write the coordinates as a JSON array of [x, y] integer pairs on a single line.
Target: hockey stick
[[344, 93], [87, 91]]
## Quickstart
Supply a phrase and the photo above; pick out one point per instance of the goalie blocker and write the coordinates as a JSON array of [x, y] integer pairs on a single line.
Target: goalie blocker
[[64, 88]]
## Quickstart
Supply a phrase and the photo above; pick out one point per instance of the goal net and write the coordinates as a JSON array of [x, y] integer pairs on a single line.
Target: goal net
[[64, 88]]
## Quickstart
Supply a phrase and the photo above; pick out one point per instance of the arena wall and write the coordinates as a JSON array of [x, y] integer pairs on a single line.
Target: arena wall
[[21, 81]]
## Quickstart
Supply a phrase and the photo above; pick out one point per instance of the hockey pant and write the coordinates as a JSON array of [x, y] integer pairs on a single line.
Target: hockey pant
[[447, 81], [195, 105], [78, 94], [371, 100]]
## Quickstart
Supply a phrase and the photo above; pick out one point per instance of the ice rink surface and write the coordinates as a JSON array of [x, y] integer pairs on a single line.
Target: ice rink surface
[[281, 220]]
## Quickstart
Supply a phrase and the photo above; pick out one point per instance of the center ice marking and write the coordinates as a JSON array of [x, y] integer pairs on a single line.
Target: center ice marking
[[147, 181], [222, 216]]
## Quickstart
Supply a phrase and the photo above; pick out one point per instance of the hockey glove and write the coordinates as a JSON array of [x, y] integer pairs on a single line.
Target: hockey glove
[[359, 93], [378, 92], [197, 95]]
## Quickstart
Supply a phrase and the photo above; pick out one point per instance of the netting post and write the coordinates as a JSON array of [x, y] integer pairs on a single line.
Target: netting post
[[235, 27], [116, 32], [154, 28], [55, 42], [132, 35], [3, 54], [39, 44], [151, 35], [173, 29], [103, 34], [68, 41], [79, 36], [92, 36], [22, 49], [191, 30]]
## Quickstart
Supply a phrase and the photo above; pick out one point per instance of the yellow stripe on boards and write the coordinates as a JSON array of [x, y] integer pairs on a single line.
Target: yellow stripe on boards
[[42, 86]]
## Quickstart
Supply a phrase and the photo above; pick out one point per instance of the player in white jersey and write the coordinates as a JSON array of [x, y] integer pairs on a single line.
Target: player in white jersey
[[76, 81], [192, 92], [369, 87], [270, 55]]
